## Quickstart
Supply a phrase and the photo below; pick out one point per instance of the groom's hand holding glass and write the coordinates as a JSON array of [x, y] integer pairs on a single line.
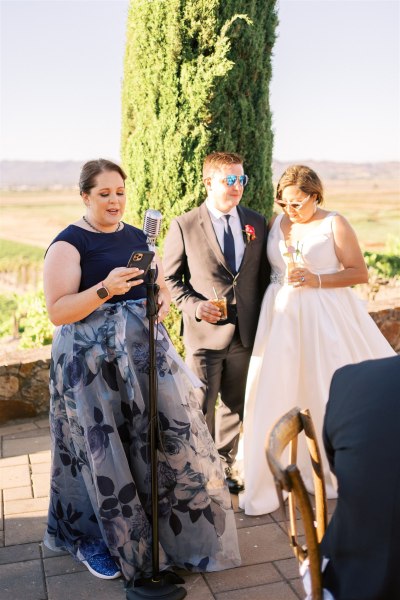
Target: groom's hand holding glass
[[212, 310]]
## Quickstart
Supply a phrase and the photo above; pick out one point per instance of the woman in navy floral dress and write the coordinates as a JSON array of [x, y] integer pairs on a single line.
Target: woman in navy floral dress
[[100, 506]]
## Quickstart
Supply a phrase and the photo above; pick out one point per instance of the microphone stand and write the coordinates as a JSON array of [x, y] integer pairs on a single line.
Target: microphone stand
[[159, 585]]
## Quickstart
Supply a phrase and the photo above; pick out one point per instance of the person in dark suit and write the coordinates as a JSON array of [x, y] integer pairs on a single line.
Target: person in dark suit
[[362, 442], [219, 247]]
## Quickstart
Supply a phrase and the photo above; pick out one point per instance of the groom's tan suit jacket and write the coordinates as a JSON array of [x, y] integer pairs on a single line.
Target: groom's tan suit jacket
[[194, 264]]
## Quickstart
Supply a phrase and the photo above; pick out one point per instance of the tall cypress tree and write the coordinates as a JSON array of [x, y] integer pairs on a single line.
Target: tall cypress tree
[[196, 80]]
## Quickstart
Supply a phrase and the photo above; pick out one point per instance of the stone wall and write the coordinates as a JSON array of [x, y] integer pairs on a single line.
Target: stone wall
[[388, 321], [24, 375], [24, 384]]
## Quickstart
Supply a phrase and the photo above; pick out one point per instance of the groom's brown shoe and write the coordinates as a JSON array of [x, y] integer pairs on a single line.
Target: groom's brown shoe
[[234, 481]]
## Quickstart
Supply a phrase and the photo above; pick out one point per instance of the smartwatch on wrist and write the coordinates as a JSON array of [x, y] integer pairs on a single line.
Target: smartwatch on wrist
[[102, 291]]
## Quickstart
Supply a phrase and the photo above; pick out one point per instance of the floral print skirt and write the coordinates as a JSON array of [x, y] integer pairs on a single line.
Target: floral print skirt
[[100, 483]]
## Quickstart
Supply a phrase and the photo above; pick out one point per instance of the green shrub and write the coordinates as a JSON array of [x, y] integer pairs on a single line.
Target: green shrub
[[173, 326], [392, 245], [383, 265], [8, 307], [34, 324], [196, 80]]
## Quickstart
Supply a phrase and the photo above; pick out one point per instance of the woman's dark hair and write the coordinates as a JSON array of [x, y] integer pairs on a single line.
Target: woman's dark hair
[[305, 178], [92, 169]]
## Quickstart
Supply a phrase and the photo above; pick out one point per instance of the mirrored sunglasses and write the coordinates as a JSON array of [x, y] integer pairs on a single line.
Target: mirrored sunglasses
[[230, 180]]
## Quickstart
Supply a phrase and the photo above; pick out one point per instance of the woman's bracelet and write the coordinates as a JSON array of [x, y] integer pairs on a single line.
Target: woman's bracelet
[[319, 279]]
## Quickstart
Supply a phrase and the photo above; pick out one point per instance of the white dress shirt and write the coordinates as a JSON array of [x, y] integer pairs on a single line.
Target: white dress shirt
[[219, 227]]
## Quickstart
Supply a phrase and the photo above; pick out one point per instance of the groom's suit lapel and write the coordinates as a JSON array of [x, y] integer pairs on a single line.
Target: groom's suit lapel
[[209, 234], [206, 225], [244, 221]]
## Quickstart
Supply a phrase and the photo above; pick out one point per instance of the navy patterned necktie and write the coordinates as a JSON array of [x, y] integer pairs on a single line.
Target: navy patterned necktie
[[229, 245]]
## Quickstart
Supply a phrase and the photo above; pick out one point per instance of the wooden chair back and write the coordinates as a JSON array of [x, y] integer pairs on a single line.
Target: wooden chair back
[[284, 434]]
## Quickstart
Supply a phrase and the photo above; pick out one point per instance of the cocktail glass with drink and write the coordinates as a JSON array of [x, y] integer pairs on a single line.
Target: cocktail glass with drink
[[221, 304], [294, 260]]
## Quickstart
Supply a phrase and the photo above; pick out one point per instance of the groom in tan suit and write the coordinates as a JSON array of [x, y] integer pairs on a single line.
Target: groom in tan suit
[[219, 245]]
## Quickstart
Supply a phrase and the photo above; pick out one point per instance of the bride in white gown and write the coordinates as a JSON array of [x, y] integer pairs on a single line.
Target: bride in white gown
[[311, 323]]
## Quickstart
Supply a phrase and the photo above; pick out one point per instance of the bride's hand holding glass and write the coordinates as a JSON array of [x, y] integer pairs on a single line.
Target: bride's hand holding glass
[[299, 276]]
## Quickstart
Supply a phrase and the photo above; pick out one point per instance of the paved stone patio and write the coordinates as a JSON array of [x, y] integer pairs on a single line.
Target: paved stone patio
[[29, 571]]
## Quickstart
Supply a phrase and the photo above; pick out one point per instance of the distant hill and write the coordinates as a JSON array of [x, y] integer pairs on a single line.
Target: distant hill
[[39, 174], [344, 171], [64, 174]]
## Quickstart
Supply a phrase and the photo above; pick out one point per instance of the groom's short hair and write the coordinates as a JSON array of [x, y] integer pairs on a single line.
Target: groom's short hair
[[215, 160]]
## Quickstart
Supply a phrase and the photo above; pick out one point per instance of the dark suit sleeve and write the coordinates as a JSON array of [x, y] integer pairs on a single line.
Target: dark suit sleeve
[[265, 268], [176, 270], [329, 449]]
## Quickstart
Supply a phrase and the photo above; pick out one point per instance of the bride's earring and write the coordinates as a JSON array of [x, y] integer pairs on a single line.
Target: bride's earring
[[315, 207]]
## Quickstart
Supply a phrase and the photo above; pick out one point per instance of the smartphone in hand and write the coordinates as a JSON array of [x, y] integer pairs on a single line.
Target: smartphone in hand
[[141, 259]]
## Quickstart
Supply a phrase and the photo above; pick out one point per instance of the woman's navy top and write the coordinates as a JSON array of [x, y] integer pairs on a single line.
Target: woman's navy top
[[102, 252]]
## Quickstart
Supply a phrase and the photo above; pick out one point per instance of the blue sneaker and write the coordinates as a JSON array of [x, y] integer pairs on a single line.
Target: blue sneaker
[[100, 565]]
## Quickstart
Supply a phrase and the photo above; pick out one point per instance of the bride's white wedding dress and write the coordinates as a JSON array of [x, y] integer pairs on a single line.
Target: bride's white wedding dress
[[303, 336]]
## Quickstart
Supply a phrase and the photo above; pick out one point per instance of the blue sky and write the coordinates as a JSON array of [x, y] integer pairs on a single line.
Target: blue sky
[[335, 92]]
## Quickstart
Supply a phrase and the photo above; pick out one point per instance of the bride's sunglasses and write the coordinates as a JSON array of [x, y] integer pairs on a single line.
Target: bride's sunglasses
[[294, 205]]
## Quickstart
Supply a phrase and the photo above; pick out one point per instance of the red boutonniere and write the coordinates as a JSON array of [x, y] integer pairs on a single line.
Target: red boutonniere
[[250, 233]]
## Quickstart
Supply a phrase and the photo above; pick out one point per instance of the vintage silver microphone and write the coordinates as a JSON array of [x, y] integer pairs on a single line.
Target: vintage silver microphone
[[159, 585], [152, 226]]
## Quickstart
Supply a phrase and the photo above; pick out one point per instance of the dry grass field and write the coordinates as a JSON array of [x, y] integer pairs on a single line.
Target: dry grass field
[[36, 217], [372, 207]]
